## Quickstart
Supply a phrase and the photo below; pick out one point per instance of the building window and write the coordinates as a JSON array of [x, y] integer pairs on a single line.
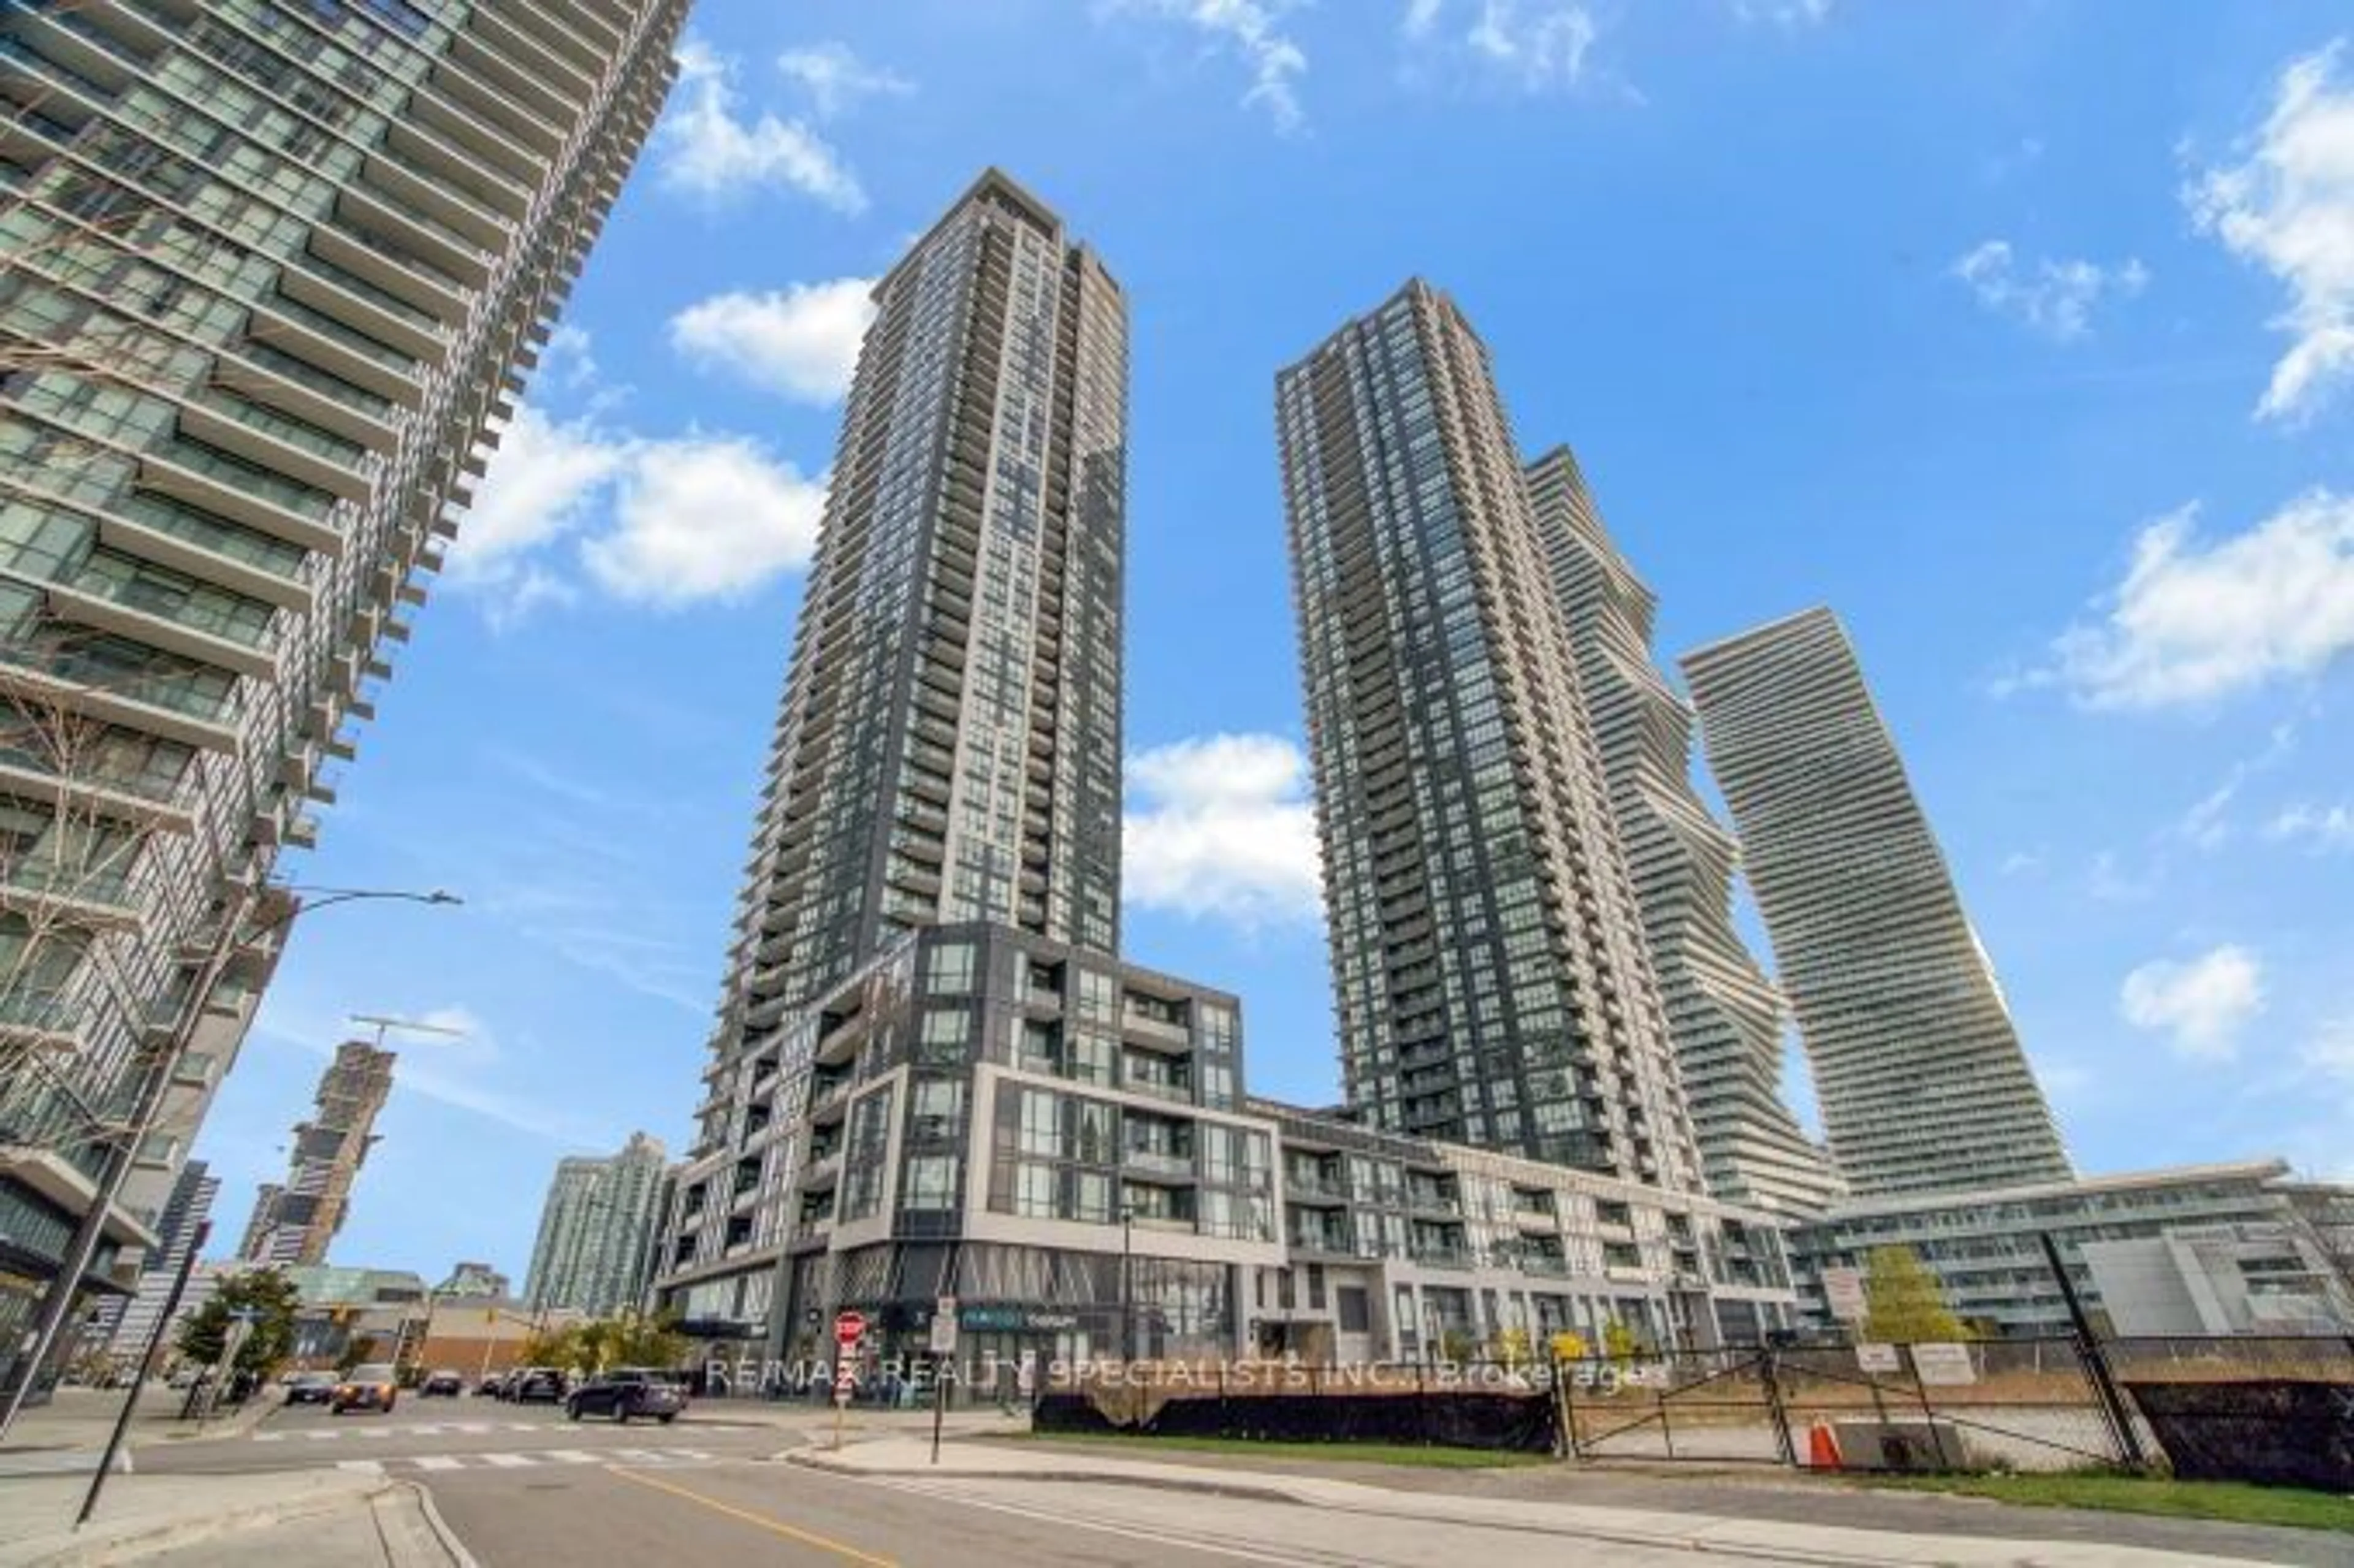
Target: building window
[[947, 969], [931, 1182], [948, 1034]]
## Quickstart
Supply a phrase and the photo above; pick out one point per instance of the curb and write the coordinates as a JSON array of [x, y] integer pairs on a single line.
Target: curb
[[1604, 1536], [821, 1461], [447, 1550]]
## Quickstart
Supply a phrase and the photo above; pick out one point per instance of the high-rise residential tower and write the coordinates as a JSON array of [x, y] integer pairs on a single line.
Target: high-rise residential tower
[[125, 1324], [597, 1231], [1724, 1016], [1488, 963], [1918, 1067], [949, 745], [271, 271], [296, 1221]]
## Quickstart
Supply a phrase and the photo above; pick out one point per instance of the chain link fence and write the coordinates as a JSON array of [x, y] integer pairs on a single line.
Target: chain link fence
[[2239, 1407]]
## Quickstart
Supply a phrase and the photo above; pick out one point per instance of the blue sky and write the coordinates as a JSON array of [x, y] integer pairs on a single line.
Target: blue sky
[[2022, 335]]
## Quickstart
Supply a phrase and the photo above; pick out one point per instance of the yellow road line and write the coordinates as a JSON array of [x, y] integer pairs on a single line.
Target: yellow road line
[[758, 1520]]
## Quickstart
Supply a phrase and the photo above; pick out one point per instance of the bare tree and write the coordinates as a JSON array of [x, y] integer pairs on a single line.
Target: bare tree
[[2324, 1219], [83, 797]]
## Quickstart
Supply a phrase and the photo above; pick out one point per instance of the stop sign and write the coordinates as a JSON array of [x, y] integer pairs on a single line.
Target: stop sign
[[849, 1328]]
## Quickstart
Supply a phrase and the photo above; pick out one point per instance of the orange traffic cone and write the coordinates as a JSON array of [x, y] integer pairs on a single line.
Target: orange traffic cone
[[1822, 1447]]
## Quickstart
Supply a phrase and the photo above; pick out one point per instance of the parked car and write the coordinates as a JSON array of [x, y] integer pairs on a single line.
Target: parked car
[[372, 1385], [537, 1385], [494, 1386], [311, 1388], [441, 1385], [626, 1392]]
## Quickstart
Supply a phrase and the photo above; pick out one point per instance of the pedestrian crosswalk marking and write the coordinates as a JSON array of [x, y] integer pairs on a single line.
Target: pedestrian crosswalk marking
[[421, 1429], [525, 1459]]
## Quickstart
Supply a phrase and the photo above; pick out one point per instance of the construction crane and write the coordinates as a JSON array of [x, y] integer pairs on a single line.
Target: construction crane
[[384, 1026]]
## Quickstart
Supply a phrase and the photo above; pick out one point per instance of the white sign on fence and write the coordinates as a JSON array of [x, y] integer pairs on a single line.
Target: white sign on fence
[[1874, 1358], [1945, 1366], [944, 1327], [1844, 1287]]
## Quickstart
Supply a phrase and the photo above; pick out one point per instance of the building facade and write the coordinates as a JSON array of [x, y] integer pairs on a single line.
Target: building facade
[[1917, 1066], [1986, 1249], [295, 1222], [949, 742], [2219, 1280], [1489, 966], [1405, 1248], [125, 1329], [948, 748], [598, 1231], [473, 1281], [273, 271], [1062, 1141], [1724, 1017]]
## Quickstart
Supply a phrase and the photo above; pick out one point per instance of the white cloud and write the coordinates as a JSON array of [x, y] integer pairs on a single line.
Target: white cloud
[[2108, 881], [2201, 1002], [543, 481], [2289, 208], [661, 522], [800, 341], [2208, 824], [1221, 825], [1536, 46], [571, 356], [2063, 1079], [2330, 1053], [710, 148], [2022, 863], [2193, 622], [836, 79], [1252, 30], [2056, 297], [2327, 830], [1784, 12], [705, 517]]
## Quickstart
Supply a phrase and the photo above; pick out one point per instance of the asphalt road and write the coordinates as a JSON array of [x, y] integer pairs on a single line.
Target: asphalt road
[[734, 1511], [524, 1487]]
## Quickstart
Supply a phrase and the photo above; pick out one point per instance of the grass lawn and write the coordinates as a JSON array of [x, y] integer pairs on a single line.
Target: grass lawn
[[1434, 1459], [2229, 1501]]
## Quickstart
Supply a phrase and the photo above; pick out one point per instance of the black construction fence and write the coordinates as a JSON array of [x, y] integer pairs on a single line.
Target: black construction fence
[[1495, 1405], [2274, 1410]]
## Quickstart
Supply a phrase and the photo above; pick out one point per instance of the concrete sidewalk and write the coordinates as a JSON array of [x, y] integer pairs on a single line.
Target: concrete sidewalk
[[81, 1419], [859, 1422], [1772, 1540], [322, 1518]]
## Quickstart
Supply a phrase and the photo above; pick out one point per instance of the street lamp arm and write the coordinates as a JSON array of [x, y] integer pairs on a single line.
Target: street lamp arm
[[328, 897]]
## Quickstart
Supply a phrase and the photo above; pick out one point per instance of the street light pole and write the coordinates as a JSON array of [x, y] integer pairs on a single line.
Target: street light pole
[[57, 1301], [146, 1365], [1127, 1288]]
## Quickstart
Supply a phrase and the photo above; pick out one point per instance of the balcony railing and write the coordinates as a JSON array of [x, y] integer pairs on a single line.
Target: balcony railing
[[1160, 1161]]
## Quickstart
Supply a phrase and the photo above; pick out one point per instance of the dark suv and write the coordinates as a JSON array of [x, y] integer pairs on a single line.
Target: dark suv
[[625, 1393], [536, 1385]]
